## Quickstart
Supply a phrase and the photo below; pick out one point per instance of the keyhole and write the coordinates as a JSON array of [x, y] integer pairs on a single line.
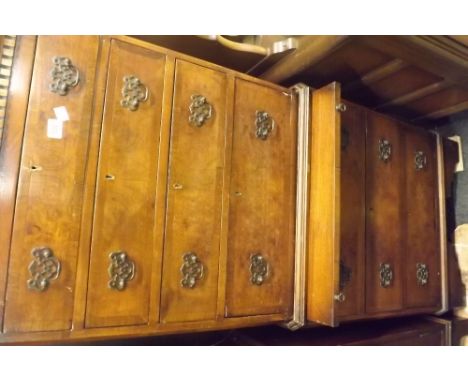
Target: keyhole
[[35, 168]]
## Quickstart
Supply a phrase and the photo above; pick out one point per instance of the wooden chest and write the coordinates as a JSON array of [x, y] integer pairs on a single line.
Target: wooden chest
[[375, 250], [155, 193], [147, 192]]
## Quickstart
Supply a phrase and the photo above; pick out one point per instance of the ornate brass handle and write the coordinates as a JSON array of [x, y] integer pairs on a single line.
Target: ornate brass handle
[[340, 297], [133, 92], [259, 269], [422, 274], [192, 270], [121, 270], [64, 76], [44, 268], [264, 124], [200, 110], [341, 107], [420, 160], [386, 275], [385, 150]]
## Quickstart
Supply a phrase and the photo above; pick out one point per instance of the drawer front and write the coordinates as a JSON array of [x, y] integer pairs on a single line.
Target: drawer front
[[421, 337], [352, 232], [422, 260], [122, 250], [196, 163], [41, 276], [384, 223], [262, 202]]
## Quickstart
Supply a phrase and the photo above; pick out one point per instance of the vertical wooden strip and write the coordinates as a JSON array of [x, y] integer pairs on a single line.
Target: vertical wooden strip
[[155, 294], [90, 187], [223, 245], [442, 221], [300, 120], [10, 151], [302, 204], [324, 210]]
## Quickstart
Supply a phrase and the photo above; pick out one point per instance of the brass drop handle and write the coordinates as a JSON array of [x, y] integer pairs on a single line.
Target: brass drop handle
[[121, 270], [341, 107], [420, 160], [264, 124], [192, 270], [200, 110], [64, 76], [385, 150], [340, 297], [259, 269], [43, 269], [386, 275], [422, 274], [133, 93]]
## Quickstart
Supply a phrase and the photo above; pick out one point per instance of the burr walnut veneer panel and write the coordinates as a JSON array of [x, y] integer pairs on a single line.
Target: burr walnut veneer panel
[[196, 170], [124, 216], [46, 230], [261, 215]]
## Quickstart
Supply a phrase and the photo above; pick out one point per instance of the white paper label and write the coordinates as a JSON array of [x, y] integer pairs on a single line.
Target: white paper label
[[61, 113], [54, 129]]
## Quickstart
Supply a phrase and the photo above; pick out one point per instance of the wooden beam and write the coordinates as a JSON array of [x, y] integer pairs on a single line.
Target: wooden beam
[[311, 49], [444, 112], [376, 75], [435, 54], [416, 94]]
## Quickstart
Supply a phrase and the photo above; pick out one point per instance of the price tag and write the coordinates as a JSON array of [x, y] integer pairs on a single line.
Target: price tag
[[54, 129]]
